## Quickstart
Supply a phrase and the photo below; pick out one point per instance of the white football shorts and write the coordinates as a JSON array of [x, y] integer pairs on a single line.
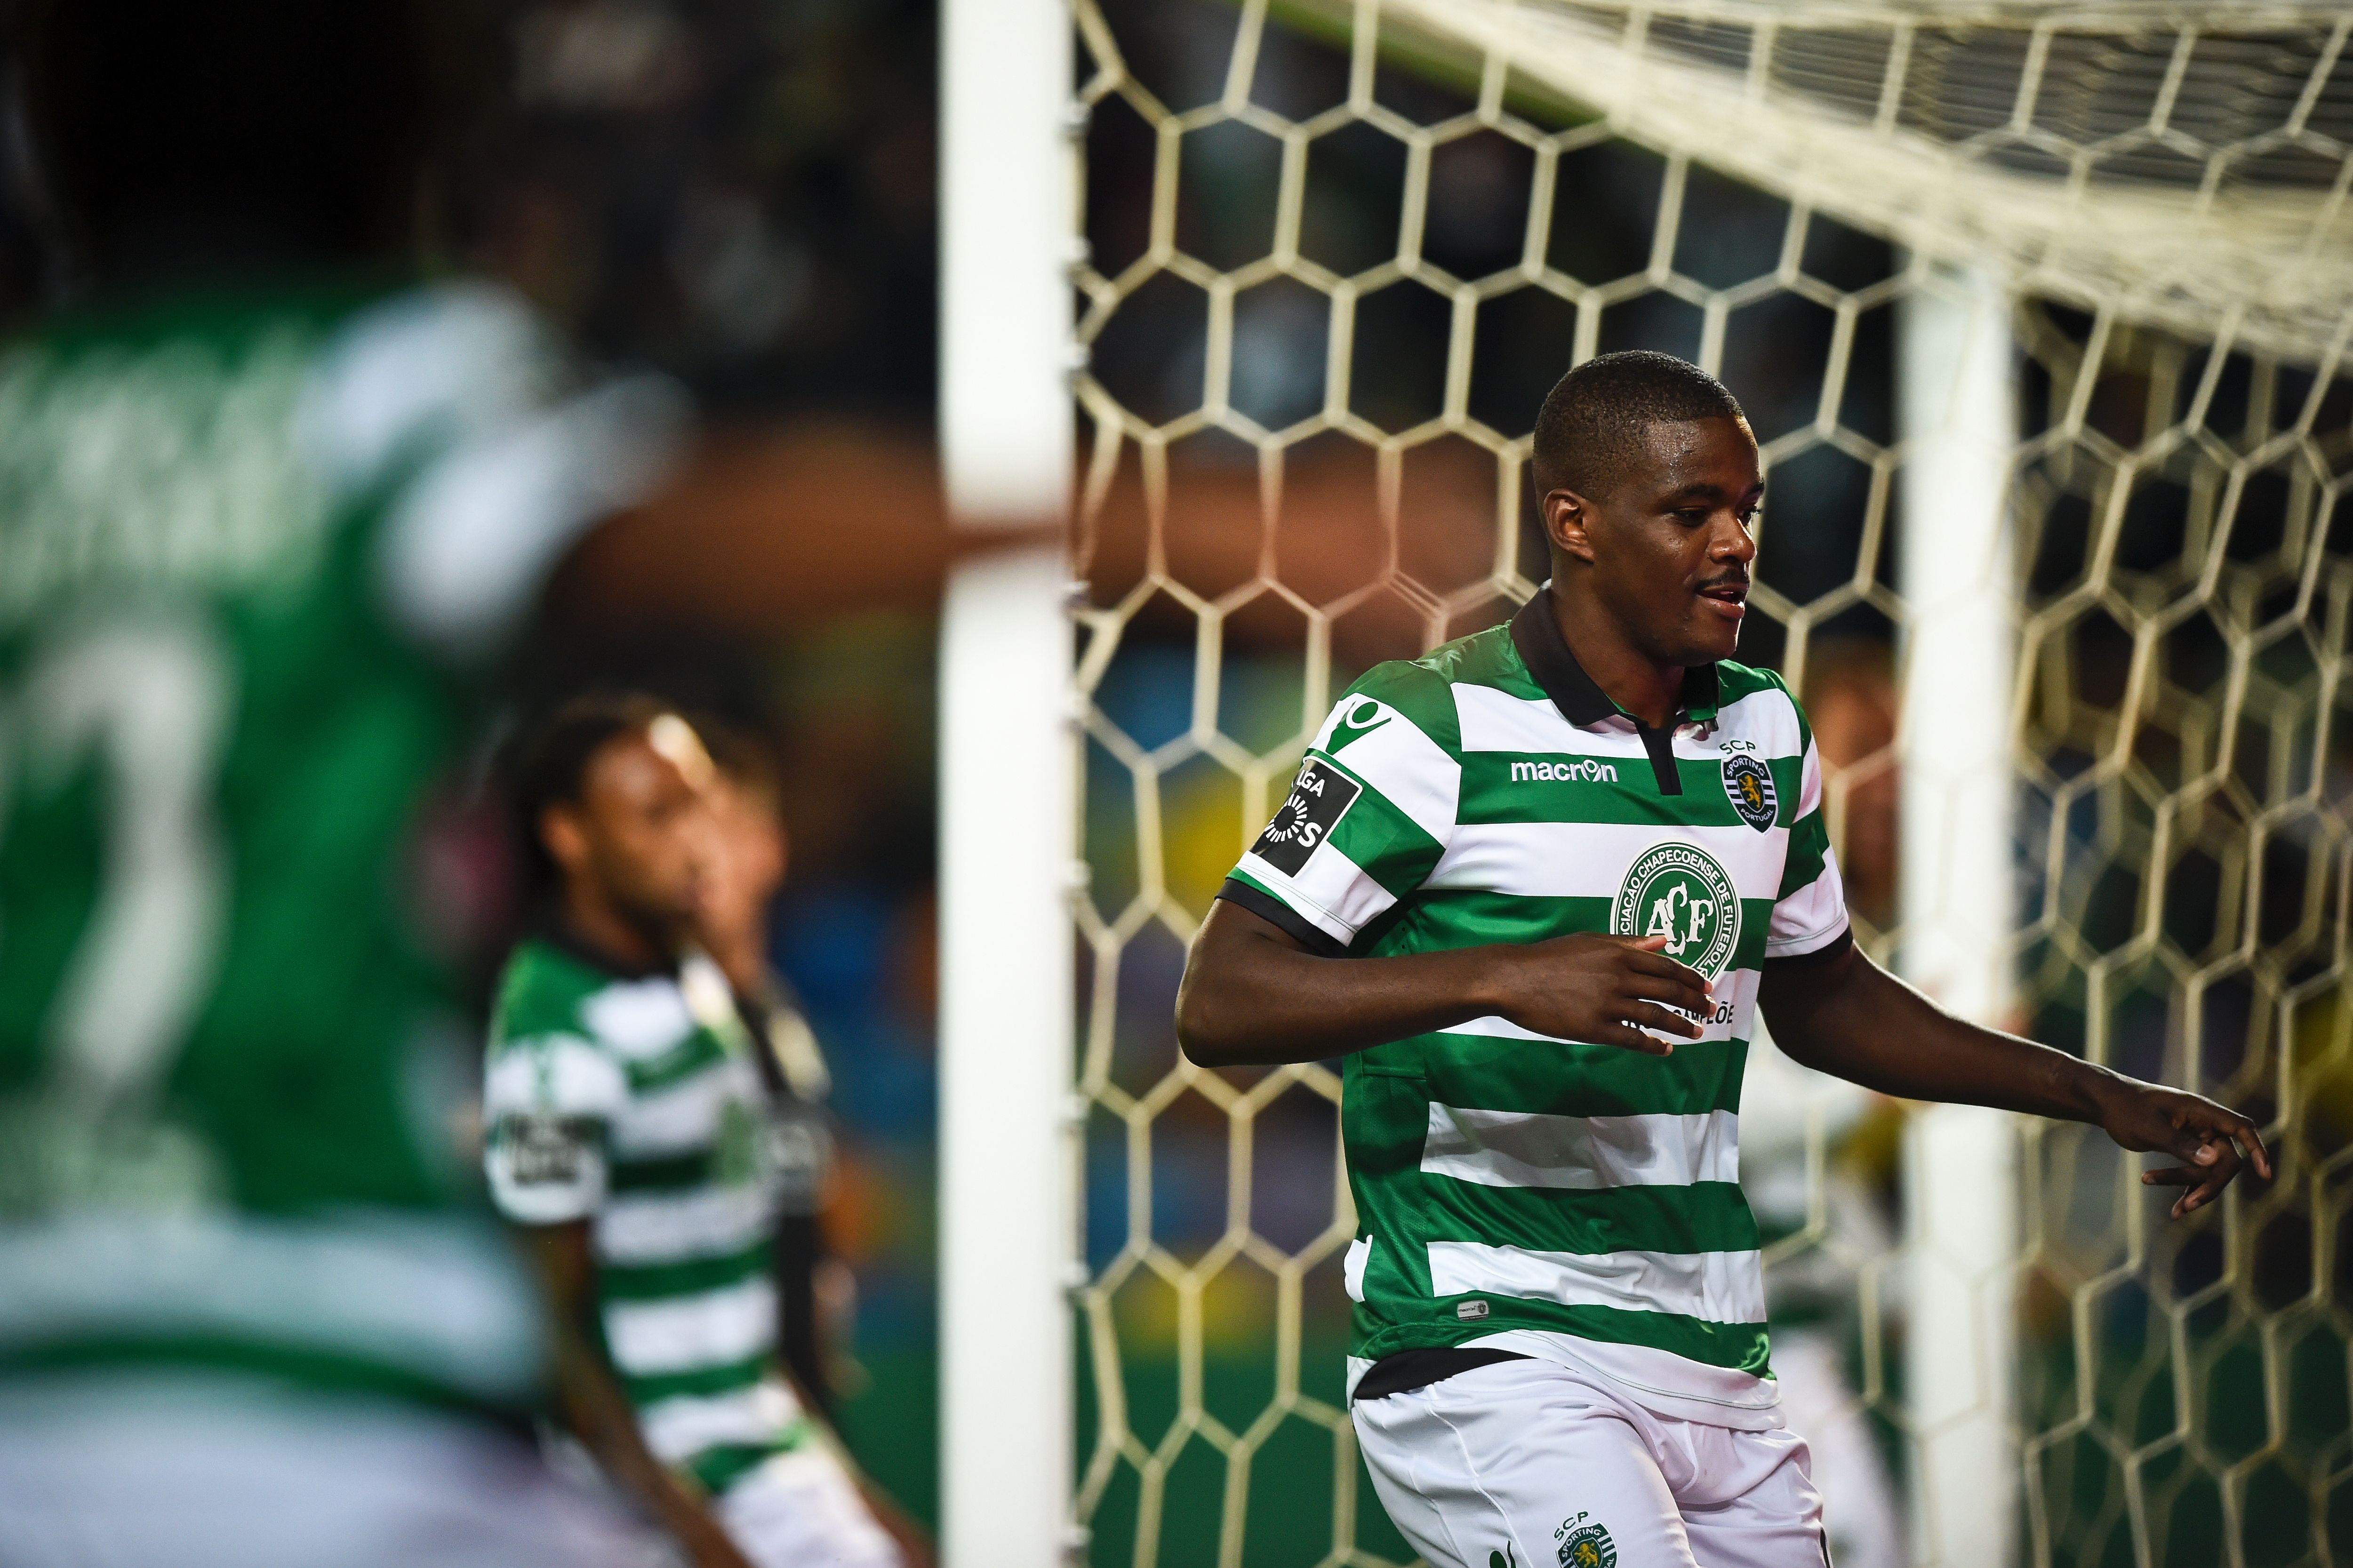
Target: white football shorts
[[801, 1510], [1526, 1464]]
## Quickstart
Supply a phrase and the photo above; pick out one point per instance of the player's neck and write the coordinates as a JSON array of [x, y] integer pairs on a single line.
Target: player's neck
[[1651, 692], [597, 924]]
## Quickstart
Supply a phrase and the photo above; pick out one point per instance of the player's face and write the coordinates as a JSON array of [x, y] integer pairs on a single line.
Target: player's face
[[1670, 550], [645, 828], [748, 857]]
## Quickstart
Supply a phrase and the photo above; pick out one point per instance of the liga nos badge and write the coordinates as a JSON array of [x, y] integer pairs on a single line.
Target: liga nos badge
[[1749, 783]]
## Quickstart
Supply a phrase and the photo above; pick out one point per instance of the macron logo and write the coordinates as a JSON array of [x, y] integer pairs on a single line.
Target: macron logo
[[1585, 770]]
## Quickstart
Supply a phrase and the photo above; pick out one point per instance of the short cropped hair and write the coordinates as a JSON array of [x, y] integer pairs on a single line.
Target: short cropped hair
[[1589, 431], [549, 764]]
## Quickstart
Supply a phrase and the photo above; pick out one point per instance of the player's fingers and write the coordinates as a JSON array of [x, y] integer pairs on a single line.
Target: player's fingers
[[1651, 1016], [2203, 1184], [1674, 989], [1634, 1039], [2239, 1131], [2195, 1198], [1660, 966], [1641, 943]]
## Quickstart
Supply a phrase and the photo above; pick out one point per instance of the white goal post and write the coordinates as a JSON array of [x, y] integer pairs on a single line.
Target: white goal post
[[1006, 801]]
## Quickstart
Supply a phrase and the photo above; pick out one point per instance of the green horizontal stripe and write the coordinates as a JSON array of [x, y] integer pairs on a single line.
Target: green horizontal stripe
[[699, 1052], [1483, 1072], [1810, 845], [95, 1350], [1441, 919], [721, 1468], [1389, 845], [670, 1174], [726, 1378], [1490, 794], [1706, 1217], [1738, 1346], [665, 1282], [1423, 690]]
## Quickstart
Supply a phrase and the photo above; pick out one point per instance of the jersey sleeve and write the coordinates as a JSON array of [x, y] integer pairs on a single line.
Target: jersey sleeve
[[454, 403], [548, 1101], [1809, 916], [1367, 817]]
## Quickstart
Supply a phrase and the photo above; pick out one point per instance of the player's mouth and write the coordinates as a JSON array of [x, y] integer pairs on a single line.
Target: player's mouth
[[1729, 600]]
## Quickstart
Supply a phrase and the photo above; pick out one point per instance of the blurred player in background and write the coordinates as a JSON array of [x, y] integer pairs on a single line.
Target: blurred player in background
[[747, 869], [628, 1122], [260, 510]]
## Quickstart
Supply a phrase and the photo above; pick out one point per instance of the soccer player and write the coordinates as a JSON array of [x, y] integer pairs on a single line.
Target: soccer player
[[746, 867], [261, 508], [626, 1115], [1534, 886]]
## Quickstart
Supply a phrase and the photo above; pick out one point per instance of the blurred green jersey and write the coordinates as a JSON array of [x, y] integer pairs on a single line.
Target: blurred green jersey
[[247, 551]]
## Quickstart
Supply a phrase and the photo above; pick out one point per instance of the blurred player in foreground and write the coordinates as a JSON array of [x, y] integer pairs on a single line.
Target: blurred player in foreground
[[628, 1136], [261, 508], [1534, 886]]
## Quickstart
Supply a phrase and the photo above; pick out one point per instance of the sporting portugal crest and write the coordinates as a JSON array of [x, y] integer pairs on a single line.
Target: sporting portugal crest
[[1586, 1545], [1749, 783]]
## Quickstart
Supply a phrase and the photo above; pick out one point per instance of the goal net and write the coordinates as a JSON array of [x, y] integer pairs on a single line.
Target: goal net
[[2041, 317]]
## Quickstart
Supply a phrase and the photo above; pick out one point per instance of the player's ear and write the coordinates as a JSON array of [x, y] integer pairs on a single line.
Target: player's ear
[[1567, 524], [565, 836]]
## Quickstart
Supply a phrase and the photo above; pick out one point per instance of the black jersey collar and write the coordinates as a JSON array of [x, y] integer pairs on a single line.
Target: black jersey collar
[[1555, 669]]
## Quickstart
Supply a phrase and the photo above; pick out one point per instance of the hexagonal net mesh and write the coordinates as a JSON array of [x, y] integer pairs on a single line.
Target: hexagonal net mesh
[[1334, 258]]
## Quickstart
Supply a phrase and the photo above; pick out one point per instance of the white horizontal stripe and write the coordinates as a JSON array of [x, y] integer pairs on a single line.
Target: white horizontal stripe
[[1742, 995], [1717, 1287], [1766, 718], [1811, 918], [1516, 1149], [686, 1115], [671, 1227], [640, 1019], [1809, 784], [441, 1297], [1493, 721], [682, 1426], [1588, 859], [561, 1075], [1331, 892], [1388, 750], [710, 1328]]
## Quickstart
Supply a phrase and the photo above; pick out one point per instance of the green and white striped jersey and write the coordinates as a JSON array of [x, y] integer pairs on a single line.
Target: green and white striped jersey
[[634, 1101], [1574, 1202]]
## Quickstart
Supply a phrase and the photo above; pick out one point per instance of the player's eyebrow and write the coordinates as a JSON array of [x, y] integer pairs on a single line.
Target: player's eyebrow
[[1700, 490]]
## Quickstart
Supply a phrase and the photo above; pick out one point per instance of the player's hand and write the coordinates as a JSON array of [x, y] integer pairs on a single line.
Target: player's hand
[[2210, 1141], [1606, 989]]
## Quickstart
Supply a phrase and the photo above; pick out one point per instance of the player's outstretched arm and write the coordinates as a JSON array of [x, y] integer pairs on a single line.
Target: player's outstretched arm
[[1253, 995], [1854, 1020]]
